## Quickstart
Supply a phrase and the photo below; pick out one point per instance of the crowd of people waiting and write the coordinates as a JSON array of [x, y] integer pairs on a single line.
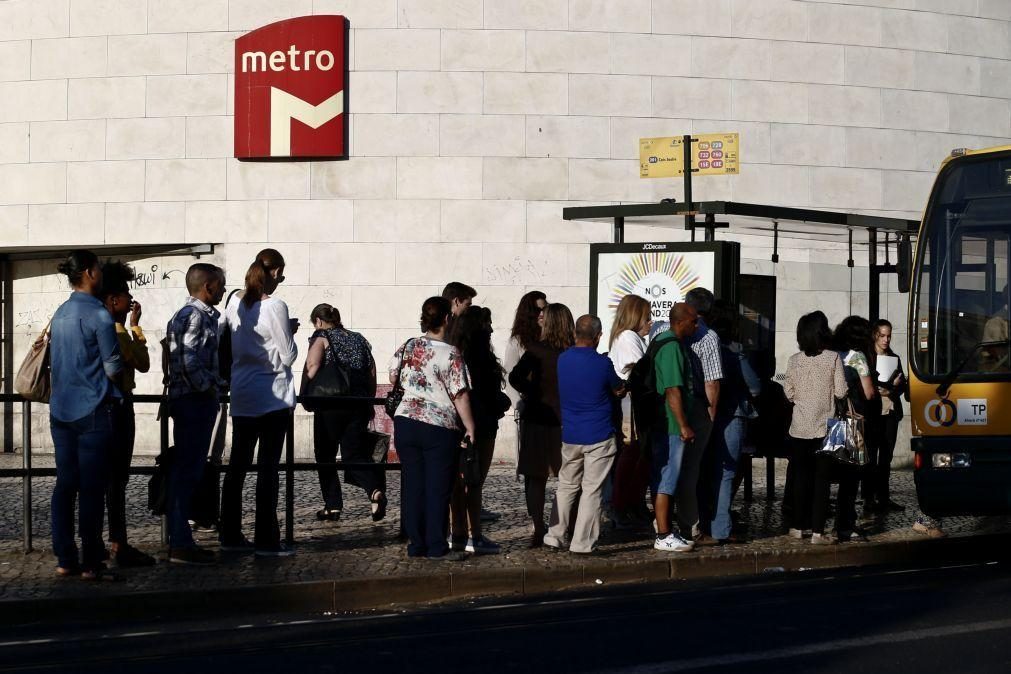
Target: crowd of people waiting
[[663, 419]]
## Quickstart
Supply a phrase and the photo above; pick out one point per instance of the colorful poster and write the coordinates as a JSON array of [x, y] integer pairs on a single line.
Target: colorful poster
[[712, 154], [662, 278]]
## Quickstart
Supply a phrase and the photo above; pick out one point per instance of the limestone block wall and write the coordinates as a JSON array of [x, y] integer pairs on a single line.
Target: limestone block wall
[[472, 124]]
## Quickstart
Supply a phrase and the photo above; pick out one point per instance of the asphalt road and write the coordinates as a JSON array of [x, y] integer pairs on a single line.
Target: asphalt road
[[885, 620]]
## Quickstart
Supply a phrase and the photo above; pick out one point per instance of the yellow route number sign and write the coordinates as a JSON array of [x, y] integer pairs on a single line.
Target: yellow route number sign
[[712, 154]]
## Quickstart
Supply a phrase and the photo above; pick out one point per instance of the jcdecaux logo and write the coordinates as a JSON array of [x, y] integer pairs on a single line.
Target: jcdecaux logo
[[290, 79]]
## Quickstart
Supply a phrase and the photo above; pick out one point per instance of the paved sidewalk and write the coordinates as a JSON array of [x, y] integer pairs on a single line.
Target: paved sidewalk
[[358, 549]]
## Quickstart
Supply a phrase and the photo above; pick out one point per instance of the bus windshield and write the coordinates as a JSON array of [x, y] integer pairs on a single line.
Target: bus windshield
[[962, 262]]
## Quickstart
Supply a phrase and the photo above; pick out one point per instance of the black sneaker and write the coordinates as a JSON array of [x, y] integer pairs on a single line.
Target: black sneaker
[[279, 550], [238, 545], [450, 556], [127, 556], [193, 555], [328, 515]]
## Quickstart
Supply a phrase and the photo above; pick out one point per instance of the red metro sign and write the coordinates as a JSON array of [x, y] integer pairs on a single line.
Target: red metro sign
[[290, 79]]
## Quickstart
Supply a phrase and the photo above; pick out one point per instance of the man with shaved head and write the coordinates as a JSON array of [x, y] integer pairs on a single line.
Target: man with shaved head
[[672, 442], [193, 387], [587, 385]]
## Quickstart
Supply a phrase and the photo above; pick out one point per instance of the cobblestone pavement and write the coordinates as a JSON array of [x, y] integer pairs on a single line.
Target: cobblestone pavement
[[358, 548]]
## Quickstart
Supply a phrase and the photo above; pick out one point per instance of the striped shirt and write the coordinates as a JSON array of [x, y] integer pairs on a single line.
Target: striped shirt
[[192, 336]]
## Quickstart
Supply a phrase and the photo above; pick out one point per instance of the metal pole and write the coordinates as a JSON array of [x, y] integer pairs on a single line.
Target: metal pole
[[8, 352], [164, 441], [289, 481], [26, 481], [770, 478], [689, 218], [874, 283]]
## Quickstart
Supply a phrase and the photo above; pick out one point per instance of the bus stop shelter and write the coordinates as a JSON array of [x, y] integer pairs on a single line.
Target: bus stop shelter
[[767, 220]]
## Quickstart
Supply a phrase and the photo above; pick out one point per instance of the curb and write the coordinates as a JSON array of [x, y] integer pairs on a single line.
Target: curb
[[356, 594]]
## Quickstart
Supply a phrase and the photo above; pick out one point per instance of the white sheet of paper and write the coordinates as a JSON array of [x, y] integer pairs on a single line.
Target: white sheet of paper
[[886, 366]]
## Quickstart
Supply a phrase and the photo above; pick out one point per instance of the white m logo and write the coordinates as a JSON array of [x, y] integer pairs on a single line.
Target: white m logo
[[284, 107]]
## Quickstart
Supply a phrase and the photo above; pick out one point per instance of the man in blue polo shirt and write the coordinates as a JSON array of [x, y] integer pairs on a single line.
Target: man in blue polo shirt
[[587, 384]]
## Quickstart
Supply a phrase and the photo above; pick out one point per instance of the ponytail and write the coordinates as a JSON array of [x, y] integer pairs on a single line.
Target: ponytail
[[259, 278]]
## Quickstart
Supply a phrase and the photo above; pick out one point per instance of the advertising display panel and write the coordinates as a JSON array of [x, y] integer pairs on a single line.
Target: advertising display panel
[[662, 273]]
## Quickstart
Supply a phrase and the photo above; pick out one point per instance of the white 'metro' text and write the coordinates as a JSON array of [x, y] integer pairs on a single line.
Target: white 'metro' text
[[258, 61]]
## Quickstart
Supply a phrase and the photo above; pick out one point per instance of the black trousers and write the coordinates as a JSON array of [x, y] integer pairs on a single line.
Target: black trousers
[[267, 431], [124, 431], [346, 429], [881, 448], [812, 475]]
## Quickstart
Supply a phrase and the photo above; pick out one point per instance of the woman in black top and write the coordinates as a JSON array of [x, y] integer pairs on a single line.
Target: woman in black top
[[536, 378], [471, 333], [344, 425], [886, 427]]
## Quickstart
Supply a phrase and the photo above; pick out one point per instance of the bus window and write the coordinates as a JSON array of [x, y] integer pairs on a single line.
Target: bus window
[[963, 266]]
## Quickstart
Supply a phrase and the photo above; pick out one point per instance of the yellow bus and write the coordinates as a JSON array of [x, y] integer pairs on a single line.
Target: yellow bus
[[959, 369]]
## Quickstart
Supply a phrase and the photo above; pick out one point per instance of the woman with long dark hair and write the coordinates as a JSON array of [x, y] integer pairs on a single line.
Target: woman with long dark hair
[[263, 396], [814, 381], [345, 426], [427, 427], [854, 342], [536, 377], [526, 331], [85, 360], [471, 334], [877, 496]]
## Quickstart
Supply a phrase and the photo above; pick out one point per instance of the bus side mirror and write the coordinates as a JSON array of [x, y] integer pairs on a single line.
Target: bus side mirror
[[904, 265]]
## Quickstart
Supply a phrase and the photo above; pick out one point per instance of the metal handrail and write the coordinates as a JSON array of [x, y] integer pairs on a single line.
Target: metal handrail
[[27, 472]]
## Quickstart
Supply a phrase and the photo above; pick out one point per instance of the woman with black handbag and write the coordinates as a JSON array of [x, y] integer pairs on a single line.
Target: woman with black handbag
[[471, 333], [339, 363]]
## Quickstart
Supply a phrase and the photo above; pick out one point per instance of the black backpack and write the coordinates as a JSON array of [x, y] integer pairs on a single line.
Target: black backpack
[[648, 406]]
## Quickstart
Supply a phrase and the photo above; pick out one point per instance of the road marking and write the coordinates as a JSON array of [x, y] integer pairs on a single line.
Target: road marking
[[809, 649], [27, 642]]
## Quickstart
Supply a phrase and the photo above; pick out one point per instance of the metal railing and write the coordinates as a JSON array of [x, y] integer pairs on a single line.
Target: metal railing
[[290, 466]]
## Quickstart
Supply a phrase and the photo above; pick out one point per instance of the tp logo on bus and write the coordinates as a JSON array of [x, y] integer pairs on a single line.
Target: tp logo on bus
[[290, 79], [940, 413]]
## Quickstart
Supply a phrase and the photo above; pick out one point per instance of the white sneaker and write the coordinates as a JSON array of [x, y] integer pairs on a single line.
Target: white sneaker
[[796, 533], [673, 543], [482, 546]]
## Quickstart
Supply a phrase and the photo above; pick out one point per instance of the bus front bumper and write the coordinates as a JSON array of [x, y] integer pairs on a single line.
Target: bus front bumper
[[963, 475]]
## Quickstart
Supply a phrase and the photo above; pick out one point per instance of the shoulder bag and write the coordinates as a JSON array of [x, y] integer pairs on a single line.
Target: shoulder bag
[[34, 378], [396, 394], [332, 380]]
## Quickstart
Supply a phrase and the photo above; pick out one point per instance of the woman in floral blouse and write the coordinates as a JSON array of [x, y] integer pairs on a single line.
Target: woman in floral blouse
[[429, 424]]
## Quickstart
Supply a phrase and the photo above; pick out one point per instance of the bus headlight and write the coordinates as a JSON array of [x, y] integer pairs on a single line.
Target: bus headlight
[[945, 460]]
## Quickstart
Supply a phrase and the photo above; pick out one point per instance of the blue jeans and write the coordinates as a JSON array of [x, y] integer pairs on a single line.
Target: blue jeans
[[728, 436], [193, 418], [83, 449], [668, 453], [429, 459]]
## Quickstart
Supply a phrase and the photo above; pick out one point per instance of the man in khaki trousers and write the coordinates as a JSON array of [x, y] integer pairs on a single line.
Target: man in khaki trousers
[[587, 389]]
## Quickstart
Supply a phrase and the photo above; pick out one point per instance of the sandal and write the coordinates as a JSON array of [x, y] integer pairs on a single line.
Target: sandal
[[68, 571], [327, 515], [378, 505]]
